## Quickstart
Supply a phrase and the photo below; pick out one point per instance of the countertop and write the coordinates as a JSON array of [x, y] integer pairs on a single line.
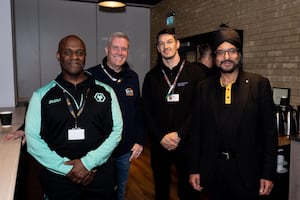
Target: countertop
[[283, 140], [9, 155], [295, 137]]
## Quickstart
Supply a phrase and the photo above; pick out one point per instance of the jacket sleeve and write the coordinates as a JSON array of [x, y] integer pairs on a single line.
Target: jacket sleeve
[[100, 155], [140, 125], [270, 140], [36, 146], [147, 106], [194, 141], [198, 75]]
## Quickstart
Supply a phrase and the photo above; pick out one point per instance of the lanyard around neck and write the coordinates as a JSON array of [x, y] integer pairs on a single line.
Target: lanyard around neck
[[70, 107], [172, 86], [110, 76]]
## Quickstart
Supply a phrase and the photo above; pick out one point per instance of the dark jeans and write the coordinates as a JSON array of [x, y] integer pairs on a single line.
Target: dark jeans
[[122, 168]]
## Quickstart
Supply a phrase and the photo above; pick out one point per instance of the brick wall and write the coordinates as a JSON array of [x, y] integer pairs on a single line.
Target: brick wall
[[271, 33]]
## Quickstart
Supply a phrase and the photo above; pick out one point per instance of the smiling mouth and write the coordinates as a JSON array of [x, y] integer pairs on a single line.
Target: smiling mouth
[[76, 64], [118, 58], [166, 51]]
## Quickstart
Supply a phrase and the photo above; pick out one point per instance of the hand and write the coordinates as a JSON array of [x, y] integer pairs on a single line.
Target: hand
[[79, 174], [265, 187], [195, 181], [136, 151], [15, 135], [170, 141]]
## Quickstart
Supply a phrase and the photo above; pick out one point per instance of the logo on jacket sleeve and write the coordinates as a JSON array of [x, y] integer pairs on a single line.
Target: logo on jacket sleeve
[[99, 97]]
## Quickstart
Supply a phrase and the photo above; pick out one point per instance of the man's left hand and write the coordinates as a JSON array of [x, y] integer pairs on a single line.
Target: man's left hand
[[265, 187]]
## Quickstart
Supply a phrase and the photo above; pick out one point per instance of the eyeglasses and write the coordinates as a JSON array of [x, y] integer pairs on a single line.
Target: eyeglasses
[[69, 52], [117, 48], [231, 52]]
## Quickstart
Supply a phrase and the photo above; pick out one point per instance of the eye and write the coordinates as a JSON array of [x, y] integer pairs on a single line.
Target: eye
[[68, 52], [222, 52], [232, 51], [80, 52], [117, 48]]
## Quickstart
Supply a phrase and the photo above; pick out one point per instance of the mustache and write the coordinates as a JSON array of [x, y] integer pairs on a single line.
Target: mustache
[[227, 61]]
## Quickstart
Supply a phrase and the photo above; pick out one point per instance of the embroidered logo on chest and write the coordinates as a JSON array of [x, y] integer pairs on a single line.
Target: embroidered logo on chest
[[99, 97], [182, 84], [129, 92], [52, 101]]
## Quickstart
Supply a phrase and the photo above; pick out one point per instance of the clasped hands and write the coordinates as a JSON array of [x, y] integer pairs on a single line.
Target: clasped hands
[[79, 174], [170, 141]]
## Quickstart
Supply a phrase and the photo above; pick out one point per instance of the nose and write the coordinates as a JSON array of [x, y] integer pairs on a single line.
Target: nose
[[119, 51], [74, 54], [226, 54]]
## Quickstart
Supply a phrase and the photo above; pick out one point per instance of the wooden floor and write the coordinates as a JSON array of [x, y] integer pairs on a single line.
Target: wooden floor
[[140, 184]]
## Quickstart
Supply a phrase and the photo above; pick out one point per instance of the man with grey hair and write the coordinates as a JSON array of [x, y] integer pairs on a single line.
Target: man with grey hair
[[115, 72]]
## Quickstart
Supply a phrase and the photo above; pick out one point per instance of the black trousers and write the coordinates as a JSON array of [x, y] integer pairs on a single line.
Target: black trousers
[[161, 163], [58, 187], [228, 184]]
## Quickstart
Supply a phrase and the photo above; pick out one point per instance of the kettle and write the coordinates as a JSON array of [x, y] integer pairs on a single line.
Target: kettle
[[286, 119]]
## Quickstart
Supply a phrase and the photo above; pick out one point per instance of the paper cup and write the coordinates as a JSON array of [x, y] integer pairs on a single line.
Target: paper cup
[[6, 118]]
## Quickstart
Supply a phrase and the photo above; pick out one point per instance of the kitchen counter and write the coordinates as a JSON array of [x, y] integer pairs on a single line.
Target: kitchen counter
[[295, 137], [283, 140], [9, 155]]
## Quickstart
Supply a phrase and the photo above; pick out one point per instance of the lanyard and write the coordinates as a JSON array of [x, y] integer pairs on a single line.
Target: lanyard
[[69, 104], [172, 87], [110, 76]]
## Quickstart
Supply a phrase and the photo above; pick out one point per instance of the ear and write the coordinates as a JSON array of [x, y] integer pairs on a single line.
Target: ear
[[178, 44], [57, 56], [158, 49], [106, 50]]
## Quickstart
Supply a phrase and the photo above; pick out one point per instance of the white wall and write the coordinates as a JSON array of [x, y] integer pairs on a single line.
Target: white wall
[[40, 24], [7, 86]]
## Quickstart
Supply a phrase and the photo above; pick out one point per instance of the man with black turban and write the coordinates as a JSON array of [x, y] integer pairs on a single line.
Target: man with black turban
[[234, 141]]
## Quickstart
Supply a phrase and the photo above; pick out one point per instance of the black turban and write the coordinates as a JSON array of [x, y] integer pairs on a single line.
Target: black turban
[[225, 34]]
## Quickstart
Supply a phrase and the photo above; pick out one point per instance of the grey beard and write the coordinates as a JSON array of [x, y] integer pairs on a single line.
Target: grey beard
[[235, 66]]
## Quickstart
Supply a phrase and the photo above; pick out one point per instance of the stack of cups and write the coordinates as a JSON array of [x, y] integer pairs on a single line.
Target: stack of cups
[[280, 164], [6, 118]]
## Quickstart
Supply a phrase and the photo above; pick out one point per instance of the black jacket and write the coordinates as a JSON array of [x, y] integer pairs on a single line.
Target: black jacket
[[250, 124], [162, 117], [128, 93]]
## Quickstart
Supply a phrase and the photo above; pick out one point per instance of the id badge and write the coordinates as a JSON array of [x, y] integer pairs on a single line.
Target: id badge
[[173, 98], [76, 134]]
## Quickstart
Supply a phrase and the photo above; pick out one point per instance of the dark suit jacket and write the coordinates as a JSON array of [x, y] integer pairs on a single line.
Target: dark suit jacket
[[253, 127]]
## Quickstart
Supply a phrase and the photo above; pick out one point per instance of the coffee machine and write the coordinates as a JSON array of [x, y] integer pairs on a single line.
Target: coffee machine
[[287, 122]]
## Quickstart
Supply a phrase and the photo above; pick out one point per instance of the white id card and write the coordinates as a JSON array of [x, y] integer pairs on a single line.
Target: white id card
[[173, 98], [76, 134]]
